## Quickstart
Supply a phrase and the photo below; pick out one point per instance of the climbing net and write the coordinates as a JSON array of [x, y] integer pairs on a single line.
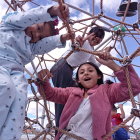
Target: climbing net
[[39, 120]]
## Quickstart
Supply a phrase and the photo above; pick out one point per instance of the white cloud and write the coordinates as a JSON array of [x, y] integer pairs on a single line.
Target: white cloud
[[109, 5], [76, 2], [4, 8]]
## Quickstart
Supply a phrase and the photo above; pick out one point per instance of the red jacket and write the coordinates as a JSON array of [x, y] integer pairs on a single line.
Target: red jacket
[[116, 119], [101, 98]]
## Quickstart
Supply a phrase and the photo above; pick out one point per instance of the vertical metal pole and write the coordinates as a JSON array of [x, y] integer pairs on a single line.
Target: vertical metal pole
[[93, 4], [43, 117], [138, 7]]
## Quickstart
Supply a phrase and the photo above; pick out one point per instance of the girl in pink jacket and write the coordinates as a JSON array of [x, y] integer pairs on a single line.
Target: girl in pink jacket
[[87, 111]]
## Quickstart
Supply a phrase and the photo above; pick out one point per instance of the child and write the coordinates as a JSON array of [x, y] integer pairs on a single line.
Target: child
[[117, 118], [131, 10], [22, 36], [87, 111], [63, 70]]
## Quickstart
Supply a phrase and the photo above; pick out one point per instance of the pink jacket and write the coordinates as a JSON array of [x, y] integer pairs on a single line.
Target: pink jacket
[[101, 98]]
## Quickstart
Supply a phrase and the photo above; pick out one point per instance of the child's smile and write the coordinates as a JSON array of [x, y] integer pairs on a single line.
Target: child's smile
[[38, 31], [88, 76]]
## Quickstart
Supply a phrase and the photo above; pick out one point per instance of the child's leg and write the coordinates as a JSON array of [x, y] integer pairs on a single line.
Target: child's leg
[[7, 95], [15, 118], [121, 134]]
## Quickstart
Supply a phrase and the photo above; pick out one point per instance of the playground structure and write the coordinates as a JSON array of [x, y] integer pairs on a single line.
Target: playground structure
[[40, 121]]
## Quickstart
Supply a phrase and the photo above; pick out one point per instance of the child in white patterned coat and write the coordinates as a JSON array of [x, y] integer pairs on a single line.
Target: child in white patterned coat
[[22, 36]]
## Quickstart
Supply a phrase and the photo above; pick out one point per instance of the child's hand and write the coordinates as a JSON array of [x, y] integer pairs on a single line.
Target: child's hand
[[62, 14], [104, 58], [80, 40], [67, 36], [120, 106], [108, 49], [44, 75], [93, 39]]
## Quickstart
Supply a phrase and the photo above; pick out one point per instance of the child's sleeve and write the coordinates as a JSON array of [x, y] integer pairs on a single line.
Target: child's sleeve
[[21, 20], [79, 57], [54, 94], [46, 44], [119, 92]]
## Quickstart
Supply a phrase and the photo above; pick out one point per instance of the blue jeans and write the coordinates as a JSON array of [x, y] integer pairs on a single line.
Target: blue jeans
[[121, 134]]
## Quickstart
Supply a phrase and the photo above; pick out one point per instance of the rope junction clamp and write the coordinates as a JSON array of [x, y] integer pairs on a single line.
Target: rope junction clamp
[[126, 60], [135, 112]]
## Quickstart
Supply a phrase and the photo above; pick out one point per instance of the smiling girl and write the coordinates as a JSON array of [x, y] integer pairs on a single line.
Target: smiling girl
[[87, 111]]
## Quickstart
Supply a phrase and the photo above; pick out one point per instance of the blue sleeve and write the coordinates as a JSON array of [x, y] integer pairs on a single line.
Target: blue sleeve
[[47, 44], [21, 20]]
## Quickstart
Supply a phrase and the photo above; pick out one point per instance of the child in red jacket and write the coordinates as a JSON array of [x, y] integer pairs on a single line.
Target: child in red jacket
[[117, 118]]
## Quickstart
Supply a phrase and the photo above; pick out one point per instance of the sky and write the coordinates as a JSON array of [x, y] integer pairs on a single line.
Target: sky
[[109, 9]]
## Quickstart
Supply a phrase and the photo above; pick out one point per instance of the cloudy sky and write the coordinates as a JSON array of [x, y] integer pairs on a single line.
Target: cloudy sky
[[109, 8]]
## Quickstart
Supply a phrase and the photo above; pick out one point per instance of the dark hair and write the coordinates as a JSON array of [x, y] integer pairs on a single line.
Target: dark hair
[[109, 82], [99, 32], [99, 82]]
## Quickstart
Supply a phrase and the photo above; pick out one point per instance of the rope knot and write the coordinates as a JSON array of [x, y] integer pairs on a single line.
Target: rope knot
[[135, 112], [49, 126], [126, 60], [135, 26]]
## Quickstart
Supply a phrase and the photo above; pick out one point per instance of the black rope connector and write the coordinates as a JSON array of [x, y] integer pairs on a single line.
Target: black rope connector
[[71, 22], [135, 112], [135, 26], [126, 60]]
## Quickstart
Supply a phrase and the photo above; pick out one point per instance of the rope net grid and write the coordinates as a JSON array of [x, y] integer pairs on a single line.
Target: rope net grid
[[39, 120]]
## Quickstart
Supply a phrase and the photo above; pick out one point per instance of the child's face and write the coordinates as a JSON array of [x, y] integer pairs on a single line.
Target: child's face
[[94, 40], [38, 31], [88, 76]]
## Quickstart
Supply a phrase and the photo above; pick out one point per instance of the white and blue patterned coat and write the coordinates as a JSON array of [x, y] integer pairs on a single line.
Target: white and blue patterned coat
[[15, 52], [14, 43]]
